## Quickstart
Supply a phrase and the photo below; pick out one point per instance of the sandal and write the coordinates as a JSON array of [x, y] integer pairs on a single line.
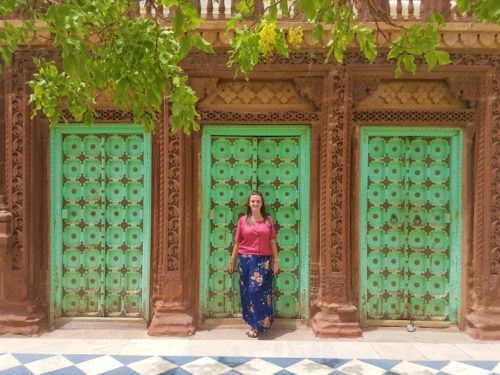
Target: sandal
[[252, 334]]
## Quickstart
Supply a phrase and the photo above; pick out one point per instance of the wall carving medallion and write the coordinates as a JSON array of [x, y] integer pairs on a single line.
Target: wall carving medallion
[[258, 96]]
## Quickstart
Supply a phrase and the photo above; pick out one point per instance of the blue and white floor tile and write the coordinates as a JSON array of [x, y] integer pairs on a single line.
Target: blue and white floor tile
[[76, 364]]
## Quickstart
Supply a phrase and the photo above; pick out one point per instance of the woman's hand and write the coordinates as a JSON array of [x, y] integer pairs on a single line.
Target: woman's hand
[[230, 268], [276, 266]]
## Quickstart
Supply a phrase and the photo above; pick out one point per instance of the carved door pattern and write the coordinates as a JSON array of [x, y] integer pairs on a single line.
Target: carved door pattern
[[410, 218], [234, 166], [104, 211]]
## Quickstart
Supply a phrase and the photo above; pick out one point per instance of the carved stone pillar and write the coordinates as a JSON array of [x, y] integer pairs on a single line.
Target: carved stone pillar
[[5, 216], [22, 294], [172, 310], [335, 314], [483, 310]]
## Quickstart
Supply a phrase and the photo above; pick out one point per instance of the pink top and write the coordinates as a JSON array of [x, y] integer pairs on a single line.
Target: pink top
[[256, 237]]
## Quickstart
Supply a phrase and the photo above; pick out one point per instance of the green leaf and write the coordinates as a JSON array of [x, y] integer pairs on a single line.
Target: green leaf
[[245, 7], [285, 9], [409, 63], [443, 57], [431, 60], [397, 71], [185, 44], [201, 44], [367, 43], [273, 10], [233, 22], [309, 7], [169, 3], [317, 33], [178, 23]]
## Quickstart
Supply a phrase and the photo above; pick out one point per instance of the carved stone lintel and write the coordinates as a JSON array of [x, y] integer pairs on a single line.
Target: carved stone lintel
[[257, 96], [410, 94]]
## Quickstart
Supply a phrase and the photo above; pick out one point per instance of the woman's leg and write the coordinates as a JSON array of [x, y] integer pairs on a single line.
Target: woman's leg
[[244, 270], [260, 293]]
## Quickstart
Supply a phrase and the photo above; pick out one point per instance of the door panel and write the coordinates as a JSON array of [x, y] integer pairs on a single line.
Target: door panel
[[237, 165], [410, 190], [104, 225]]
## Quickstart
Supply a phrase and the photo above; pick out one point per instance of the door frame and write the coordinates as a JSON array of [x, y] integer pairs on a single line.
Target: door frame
[[56, 203], [301, 131], [456, 136]]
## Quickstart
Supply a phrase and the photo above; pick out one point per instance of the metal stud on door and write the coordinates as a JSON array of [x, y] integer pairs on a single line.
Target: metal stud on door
[[406, 189]]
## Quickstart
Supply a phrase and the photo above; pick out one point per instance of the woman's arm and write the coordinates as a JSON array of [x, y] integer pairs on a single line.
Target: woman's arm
[[276, 259], [232, 261]]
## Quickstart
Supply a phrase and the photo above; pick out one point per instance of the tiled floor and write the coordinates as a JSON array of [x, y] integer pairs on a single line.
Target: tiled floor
[[228, 351], [15, 363]]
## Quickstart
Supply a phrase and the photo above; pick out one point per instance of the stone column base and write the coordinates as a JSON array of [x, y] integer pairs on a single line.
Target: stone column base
[[483, 324], [22, 324], [341, 321], [172, 323]]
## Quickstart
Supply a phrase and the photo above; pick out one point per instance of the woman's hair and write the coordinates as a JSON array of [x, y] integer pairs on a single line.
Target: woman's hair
[[263, 211]]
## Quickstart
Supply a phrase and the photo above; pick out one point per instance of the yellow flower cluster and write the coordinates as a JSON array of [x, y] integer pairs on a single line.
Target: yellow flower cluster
[[267, 39], [296, 36]]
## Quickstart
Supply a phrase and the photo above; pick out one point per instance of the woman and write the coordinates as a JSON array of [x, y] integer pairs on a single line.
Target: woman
[[255, 247]]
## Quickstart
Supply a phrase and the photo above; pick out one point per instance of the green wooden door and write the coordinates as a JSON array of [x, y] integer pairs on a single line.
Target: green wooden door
[[102, 235], [236, 164], [410, 223]]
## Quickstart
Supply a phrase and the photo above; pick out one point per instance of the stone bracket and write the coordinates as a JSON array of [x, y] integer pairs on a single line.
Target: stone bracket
[[6, 237]]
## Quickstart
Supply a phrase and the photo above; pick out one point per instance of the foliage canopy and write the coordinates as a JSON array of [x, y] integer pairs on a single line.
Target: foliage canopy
[[105, 47]]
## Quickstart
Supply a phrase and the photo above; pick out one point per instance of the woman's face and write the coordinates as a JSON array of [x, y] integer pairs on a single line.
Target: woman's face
[[255, 203]]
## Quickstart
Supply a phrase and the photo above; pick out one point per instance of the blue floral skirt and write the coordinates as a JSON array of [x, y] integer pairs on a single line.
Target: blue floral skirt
[[256, 288]]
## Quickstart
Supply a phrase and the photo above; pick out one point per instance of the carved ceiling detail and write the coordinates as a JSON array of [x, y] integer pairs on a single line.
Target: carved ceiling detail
[[256, 96], [404, 95]]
